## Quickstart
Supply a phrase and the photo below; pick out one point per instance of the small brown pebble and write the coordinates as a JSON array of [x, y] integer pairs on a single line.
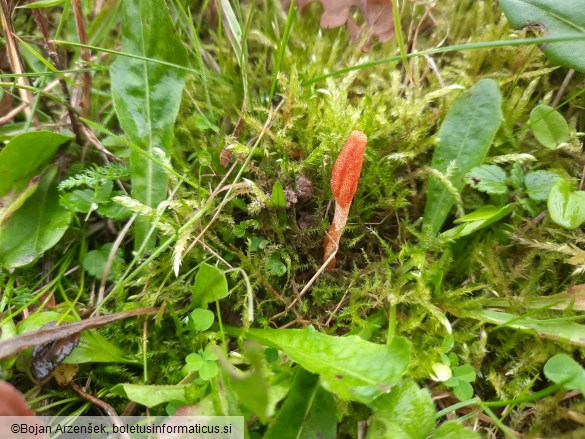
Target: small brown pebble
[[290, 197]]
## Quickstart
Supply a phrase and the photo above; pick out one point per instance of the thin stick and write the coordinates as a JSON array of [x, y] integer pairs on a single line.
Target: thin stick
[[310, 283], [41, 20], [16, 60], [562, 88], [85, 56], [338, 305], [101, 404], [110, 260]]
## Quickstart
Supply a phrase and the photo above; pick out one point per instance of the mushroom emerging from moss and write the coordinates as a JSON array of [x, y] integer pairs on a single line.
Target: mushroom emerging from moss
[[344, 182]]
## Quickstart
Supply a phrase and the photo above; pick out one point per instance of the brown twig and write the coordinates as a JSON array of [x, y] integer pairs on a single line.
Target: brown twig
[[20, 342], [15, 59], [41, 20], [101, 404], [85, 56]]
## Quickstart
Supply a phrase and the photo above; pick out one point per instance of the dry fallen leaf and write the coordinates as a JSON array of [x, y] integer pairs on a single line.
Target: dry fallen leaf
[[16, 344], [377, 13]]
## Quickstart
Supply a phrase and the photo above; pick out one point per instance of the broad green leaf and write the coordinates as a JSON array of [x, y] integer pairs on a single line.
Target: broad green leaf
[[549, 127], [465, 373], [210, 285], [454, 430], [95, 262], [275, 265], [147, 96], [13, 201], [34, 228], [566, 207], [194, 361], [481, 218], [567, 331], [24, 156], [208, 370], [252, 387], [351, 367], [308, 411], [539, 183], [463, 390], [488, 178], [563, 369], [554, 18], [21, 162], [407, 412], [149, 396], [463, 142], [201, 319], [95, 348]]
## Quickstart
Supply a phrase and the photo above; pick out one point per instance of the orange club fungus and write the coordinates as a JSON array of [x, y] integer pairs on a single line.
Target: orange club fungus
[[344, 181]]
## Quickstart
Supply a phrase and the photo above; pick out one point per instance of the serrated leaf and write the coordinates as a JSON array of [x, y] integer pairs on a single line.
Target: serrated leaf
[[567, 331], [407, 412], [210, 285], [463, 142], [147, 96], [566, 207], [563, 369], [554, 18], [549, 127], [488, 178], [149, 396], [340, 361], [308, 411], [34, 228], [539, 183]]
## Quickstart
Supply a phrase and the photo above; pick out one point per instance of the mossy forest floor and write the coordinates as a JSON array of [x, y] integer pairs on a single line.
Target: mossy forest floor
[[245, 172]]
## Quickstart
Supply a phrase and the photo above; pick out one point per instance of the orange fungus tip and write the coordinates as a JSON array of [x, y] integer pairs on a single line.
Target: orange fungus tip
[[347, 168]]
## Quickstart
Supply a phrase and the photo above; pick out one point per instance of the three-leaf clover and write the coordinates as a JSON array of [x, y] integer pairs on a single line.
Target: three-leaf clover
[[204, 362]]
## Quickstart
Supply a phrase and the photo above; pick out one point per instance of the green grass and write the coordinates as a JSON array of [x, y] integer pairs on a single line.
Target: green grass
[[281, 103]]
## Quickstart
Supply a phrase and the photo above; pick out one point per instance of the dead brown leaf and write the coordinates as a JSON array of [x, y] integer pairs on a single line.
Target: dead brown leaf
[[49, 335], [377, 14]]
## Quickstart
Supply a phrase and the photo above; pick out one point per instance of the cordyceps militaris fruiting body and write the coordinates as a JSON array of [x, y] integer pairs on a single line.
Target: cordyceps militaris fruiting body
[[344, 181]]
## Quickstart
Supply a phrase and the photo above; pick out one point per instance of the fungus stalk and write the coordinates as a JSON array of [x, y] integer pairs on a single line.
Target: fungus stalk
[[344, 181]]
